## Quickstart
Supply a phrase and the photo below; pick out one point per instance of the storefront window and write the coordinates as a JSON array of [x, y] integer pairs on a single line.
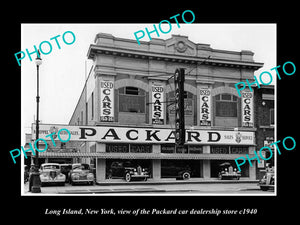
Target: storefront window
[[226, 105], [216, 167], [115, 168], [175, 168]]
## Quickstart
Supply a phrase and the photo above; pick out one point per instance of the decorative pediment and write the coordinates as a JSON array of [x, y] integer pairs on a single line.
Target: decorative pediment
[[180, 45]]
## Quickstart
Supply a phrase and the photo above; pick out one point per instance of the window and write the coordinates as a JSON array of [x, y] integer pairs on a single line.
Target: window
[[132, 99], [189, 108], [226, 105], [272, 117]]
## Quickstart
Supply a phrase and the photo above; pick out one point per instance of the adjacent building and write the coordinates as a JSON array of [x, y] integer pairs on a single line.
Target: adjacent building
[[265, 124]]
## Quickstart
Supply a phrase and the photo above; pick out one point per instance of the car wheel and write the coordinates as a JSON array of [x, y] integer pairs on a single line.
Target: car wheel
[[128, 177], [186, 176]]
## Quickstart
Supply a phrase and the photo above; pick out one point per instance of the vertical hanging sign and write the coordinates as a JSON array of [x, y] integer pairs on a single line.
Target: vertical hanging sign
[[157, 105], [205, 107], [107, 101], [247, 109]]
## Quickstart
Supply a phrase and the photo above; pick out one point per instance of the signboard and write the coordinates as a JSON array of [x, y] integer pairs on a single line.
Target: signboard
[[107, 101], [247, 109], [106, 134], [157, 105], [205, 107]]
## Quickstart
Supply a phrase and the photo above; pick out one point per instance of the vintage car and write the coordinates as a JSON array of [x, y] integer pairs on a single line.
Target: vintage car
[[268, 180], [51, 173], [128, 171], [81, 173], [227, 172], [180, 171]]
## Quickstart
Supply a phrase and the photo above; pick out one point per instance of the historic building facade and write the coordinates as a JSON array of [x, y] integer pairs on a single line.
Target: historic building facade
[[265, 124], [130, 90]]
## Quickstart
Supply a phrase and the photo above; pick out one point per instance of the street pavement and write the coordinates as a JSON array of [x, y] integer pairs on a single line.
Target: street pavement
[[156, 189]]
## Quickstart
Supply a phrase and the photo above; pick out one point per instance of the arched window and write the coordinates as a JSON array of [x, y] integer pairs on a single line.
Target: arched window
[[132, 99], [226, 105], [189, 108]]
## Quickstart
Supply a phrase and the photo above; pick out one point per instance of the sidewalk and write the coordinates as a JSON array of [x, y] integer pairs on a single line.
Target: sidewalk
[[154, 187]]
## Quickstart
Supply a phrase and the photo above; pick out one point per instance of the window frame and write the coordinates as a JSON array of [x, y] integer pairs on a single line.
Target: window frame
[[233, 100], [140, 93]]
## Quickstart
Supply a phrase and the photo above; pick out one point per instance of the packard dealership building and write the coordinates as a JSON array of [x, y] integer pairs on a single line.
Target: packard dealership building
[[128, 99]]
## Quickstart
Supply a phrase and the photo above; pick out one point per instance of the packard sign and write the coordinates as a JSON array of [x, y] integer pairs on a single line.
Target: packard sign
[[107, 101], [146, 135]]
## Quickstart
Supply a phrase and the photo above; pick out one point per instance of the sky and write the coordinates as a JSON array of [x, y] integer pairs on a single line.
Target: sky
[[63, 71]]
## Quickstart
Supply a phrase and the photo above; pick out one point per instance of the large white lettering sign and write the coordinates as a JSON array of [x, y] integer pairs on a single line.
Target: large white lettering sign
[[143, 135], [205, 107], [157, 105], [247, 109], [106, 101]]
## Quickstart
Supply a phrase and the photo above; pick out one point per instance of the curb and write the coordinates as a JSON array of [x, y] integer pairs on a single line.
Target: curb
[[111, 183]]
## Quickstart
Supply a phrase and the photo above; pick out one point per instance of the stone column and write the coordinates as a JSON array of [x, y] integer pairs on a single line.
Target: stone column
[[100, 163], [156, 164], [252, 169], [206, 163]]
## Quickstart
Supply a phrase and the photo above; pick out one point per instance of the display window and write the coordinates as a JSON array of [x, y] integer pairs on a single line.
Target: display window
[[176, 168], [217, 165], [115, 168]]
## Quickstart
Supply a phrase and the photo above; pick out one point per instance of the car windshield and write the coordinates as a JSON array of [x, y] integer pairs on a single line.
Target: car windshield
[[127, 164], [81, 167], [51, 167]]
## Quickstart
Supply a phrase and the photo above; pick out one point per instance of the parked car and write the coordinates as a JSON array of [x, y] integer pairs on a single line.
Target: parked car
[[81, 173], [51, 173], [227, 172], [268, 180], [128, 171], [65, 169], [178, 171]]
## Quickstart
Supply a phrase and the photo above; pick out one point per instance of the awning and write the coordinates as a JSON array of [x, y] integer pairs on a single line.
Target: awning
[[110, 155]]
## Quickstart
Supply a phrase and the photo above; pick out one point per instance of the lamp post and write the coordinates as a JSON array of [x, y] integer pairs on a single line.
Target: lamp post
[[35, 176]]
